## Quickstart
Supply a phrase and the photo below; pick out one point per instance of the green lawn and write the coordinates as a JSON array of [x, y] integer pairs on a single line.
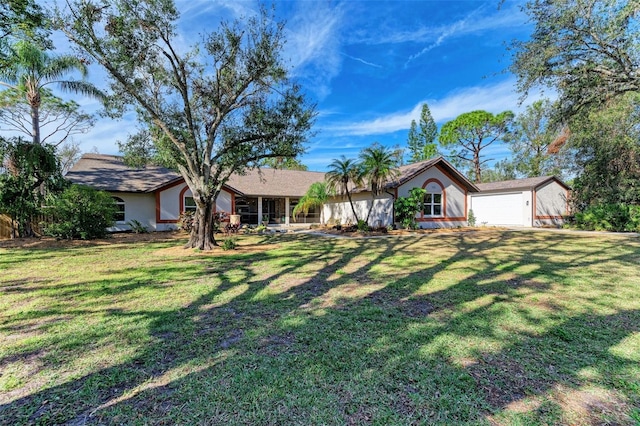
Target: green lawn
[[487, 327]]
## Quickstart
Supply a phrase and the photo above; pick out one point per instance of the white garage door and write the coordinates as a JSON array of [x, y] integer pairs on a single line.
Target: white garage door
[[499, 209]]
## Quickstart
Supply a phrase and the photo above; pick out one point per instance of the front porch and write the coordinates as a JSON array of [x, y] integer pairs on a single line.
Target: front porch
[[274, 211]]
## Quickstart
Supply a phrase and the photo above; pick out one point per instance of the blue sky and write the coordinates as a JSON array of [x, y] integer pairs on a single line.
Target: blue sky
[[369, 66]]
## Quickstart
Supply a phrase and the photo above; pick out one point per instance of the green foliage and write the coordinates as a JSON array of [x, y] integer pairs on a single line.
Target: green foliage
[[137, 227], [230, 243], [422, 143], [342, 174], [502, 170], [285, 163], [31, 173], [471, 218], [31, 70], [80, 212], [471, 132], [606, 149], [610, 217], [362, 226], [21, 20], [315, 197], [532, 141], [588, 51], [220, 108], [406, 208]]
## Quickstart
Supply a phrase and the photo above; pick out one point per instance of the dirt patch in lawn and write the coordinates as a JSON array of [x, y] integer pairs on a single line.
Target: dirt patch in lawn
[[118, 238]]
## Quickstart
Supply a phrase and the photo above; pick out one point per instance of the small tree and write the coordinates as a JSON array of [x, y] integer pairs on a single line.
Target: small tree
[[378, 166], [81, 212], [315, 197], [407, 208], [344, 174], [28, 173]]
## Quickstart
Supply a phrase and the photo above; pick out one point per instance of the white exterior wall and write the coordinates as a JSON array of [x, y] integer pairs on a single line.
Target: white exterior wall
[[455, 199], [170, 202], [338, 209], [550, 204], [140, 207]]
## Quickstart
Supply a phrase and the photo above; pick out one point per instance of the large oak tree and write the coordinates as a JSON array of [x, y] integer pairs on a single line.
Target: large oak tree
[[587, 50], [219, 108]]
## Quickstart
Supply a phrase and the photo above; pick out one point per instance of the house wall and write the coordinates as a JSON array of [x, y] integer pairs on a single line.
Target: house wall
[[551, 204], [171, 204], [455, 198], [140, 207], [338, 209]]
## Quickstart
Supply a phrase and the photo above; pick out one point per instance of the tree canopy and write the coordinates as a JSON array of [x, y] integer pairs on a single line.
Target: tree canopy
[[470, 133], [587, 50], [217, 109], [534, 136]]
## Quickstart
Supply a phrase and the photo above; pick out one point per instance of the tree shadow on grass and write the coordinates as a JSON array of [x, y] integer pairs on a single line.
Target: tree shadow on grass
[[267, 347]]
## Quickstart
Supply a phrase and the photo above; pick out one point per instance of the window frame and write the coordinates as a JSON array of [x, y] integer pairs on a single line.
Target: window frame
[[121, 209]]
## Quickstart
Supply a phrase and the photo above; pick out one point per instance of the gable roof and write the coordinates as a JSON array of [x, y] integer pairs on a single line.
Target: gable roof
[[409, 171], [526, 183], [110, 173]]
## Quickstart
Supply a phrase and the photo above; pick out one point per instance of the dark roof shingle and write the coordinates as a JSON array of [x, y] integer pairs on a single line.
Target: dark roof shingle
[[526, 183]]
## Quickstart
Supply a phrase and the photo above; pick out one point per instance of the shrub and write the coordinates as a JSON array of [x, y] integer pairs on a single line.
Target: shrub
[[229, 244], [362, 226], [80, 212], [185, 221], [609, 217], [471, 218], [137, 227], [407, 208]]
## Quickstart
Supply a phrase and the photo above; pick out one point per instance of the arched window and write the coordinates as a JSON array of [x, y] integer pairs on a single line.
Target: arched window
[[434, 199], [119, 216]]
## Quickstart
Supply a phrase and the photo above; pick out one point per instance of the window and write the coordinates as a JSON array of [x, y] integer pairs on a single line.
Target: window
[[119, 215], [189, 204], [432, 205]]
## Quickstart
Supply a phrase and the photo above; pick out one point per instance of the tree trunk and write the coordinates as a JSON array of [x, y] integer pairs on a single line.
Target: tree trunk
[[34, 102], [203, 231], [352, 208], [476, 164]]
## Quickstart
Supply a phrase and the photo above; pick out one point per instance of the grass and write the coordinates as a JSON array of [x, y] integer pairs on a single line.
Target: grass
[[489, 327]]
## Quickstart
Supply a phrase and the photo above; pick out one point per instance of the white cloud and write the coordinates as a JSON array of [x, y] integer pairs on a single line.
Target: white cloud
[[313, 45], [493, 98]]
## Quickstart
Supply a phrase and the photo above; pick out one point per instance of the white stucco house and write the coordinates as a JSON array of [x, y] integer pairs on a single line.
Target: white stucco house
[[155, 196], [445, 204], [530, 202]]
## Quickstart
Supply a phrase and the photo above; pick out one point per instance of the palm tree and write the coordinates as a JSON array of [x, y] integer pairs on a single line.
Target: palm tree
[[342, 172], [32, 70], [379, 166], [316, 196]]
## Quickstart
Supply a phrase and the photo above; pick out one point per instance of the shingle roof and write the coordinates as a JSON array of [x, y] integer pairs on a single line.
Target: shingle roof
[[409, 171], [274, 182], [527, 183], [109, 173]]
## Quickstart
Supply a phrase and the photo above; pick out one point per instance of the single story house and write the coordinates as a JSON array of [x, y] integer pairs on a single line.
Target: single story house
[[538, 201], [155, 196]]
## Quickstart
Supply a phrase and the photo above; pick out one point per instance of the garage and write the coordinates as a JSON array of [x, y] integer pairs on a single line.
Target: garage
[[504, 209]]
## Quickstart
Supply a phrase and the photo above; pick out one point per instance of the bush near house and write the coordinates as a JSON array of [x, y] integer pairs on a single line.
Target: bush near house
[[610, 217], [80, 212]]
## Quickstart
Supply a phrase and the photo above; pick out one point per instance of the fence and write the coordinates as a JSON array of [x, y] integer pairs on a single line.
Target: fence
[[6, 229], [5, 226]]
